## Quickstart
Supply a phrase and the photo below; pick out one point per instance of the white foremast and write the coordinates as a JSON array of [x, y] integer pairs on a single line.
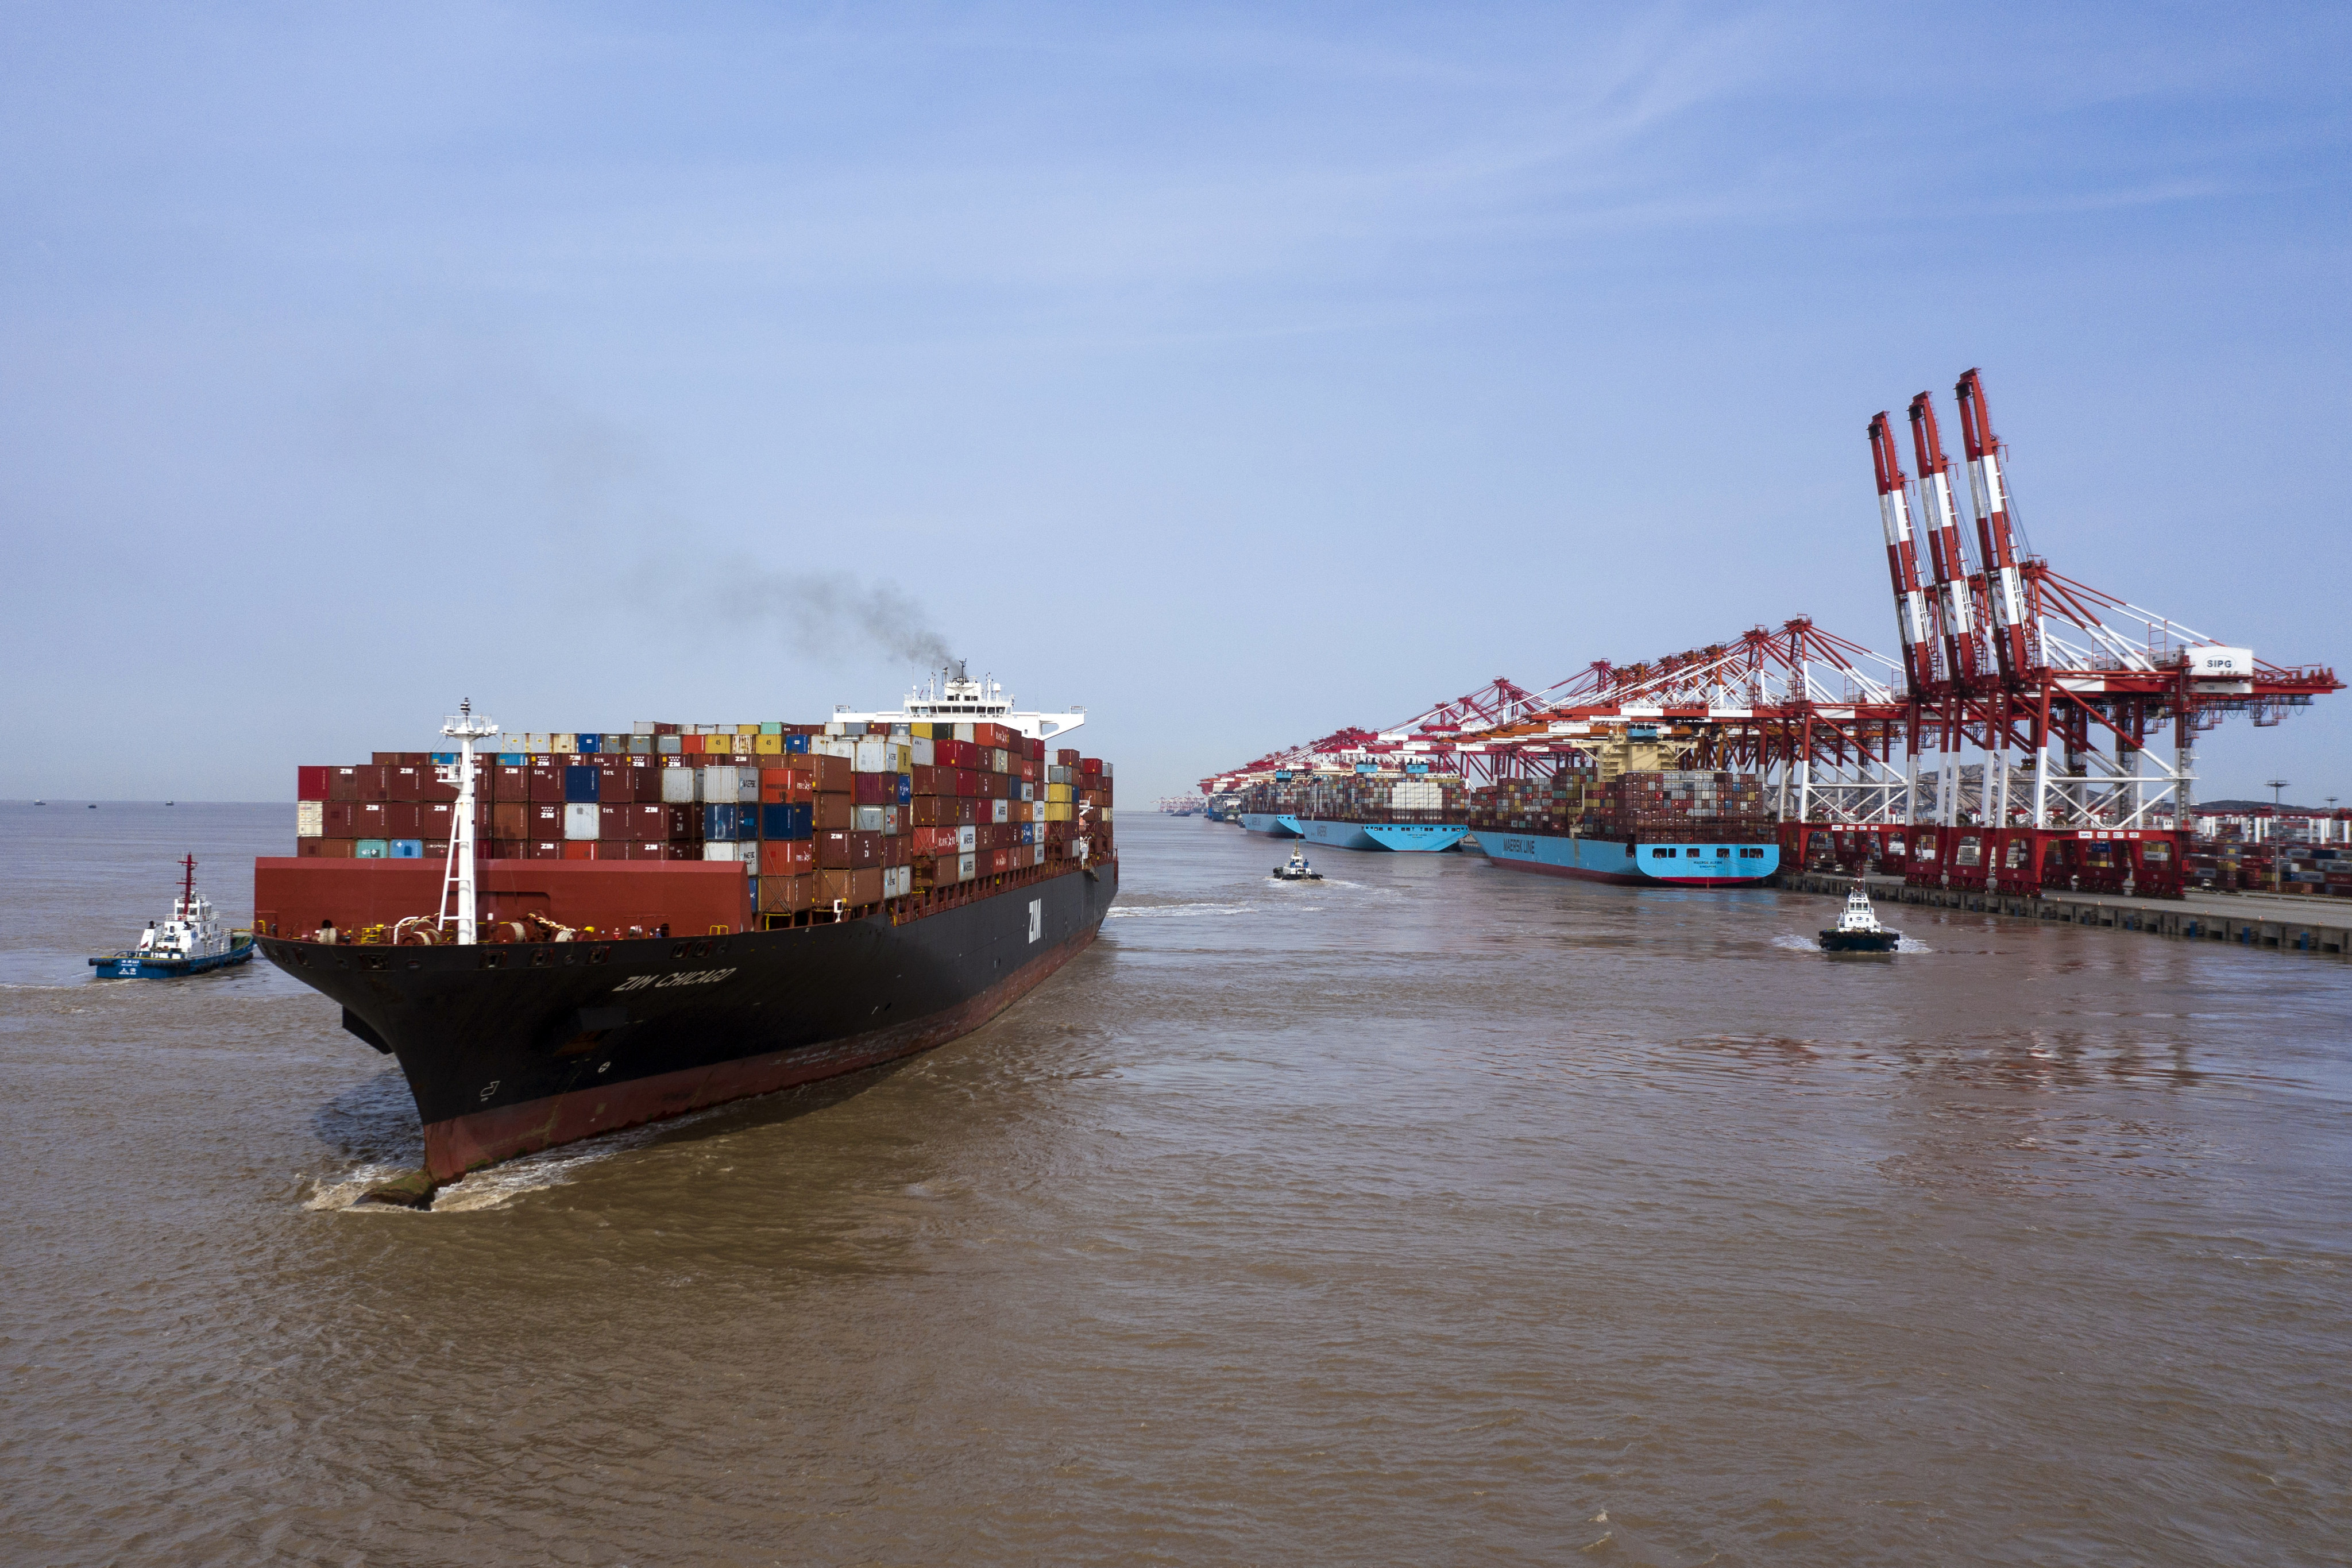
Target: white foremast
[[458, 879]]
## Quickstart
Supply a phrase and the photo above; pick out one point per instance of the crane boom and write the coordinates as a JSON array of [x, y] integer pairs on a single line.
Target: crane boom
[[1996, 539], [1953, 588], [1911, 615]]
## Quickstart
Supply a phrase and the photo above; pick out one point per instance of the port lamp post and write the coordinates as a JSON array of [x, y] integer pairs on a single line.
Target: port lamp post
[[457, 876]]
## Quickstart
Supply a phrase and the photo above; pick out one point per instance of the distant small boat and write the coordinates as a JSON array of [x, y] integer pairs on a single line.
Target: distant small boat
[[1296, 870], [93, 806], [1858, 930], [191, 941]]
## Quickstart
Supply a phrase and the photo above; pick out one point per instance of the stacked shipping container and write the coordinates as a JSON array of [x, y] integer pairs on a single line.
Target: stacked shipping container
[[818, 816], [1672, 807]]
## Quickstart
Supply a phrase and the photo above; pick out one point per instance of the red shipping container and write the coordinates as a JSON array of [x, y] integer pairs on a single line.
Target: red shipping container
[[368, 819], [543, 849], [834, 848], [780, 787], [682, 824], [850, 887], [829, 773], [510, 782], [637, 849], [310, 783], [895, 849], [338, 819], [324, 848], [691, 745], [399, 820], [648, 823], [439, 819], [374, 783], [579, 849], [437, 849], [831, 813], [403, 783], [875, 789], [786, 895], [546, 783], [786, 857], [510, 819], [644, 783], [613, 822], [546, 821]]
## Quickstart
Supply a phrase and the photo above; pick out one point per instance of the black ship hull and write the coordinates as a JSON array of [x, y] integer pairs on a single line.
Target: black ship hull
[[511, 1049], [1860, 940]]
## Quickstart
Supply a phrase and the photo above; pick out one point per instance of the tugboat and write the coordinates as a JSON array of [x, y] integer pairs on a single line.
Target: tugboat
[[191, 941], [1296, 870], [1858, 930]]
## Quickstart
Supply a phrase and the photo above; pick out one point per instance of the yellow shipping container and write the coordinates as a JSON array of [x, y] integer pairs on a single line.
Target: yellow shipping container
[[747, 729], [1063, 794], [1058, 810], [767, 743]]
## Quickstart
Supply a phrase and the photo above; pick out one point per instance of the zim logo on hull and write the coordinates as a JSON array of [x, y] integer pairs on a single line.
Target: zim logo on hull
[[660, 981]]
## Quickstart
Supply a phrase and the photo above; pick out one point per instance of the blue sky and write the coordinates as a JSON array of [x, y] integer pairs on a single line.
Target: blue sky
[[1236, 373]]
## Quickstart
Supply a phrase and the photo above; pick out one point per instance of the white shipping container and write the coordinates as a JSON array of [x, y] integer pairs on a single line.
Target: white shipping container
[[1000, 811], [868, 819], [967, 866], [678, 785], [1104, 812], [562, 741], [963, 732], [867, 757], [580, 819], [922, 752], [309, 819], [1028, 791], [967, 839], [731, 786], [716, 850], [897, 881]]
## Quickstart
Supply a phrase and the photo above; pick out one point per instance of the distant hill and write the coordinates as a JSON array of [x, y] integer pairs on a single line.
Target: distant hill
[[2242, 807]]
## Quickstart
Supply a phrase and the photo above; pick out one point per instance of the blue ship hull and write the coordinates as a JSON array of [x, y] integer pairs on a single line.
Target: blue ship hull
[[1631, 865], [1406, 836], [1269, 822], [134, 966]]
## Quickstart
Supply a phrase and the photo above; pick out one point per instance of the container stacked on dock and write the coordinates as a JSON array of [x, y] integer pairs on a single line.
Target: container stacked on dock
[[818, 816]]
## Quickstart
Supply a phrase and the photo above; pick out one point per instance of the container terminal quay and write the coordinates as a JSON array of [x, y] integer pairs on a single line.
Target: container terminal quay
[[2029, 749]]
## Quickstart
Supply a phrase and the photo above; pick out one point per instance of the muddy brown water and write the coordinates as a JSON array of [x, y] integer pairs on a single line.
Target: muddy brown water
[[1434, 1213]]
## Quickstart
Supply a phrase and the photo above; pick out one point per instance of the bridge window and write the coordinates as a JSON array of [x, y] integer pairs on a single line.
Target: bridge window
[[1661, 854]]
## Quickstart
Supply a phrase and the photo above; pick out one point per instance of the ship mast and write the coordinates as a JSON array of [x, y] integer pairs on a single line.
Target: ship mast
[[458, 879]]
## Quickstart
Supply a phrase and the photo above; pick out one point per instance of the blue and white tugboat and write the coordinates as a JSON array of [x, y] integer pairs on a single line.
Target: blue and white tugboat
[[1858, 930], [192, 941], [1295, 868]]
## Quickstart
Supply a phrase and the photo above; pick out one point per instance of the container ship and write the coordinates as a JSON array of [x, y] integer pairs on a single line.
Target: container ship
[[592, 932], [1373, 808], [1681, 829], [1363, 808]]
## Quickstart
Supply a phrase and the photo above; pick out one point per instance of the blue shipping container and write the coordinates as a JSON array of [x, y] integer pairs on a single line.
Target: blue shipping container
[[370, 848], [511, 759], [589, 745], [580, 785], [796, 743], [729, 824], [407, 849], [785, 820]]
